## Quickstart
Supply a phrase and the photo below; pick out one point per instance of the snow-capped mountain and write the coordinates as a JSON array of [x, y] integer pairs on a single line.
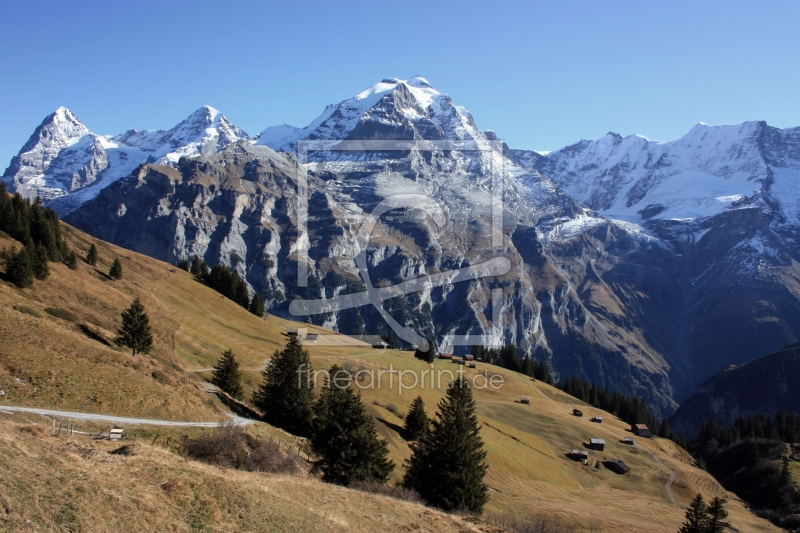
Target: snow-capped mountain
[[707, 171], [646, 266], [390, 109], [66, 164]]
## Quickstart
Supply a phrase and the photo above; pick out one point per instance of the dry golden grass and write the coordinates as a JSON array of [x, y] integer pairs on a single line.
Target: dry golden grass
[[52, 484], [63, 367]]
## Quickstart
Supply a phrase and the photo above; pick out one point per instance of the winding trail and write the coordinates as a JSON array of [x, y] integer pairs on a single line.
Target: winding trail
[[123, 419]]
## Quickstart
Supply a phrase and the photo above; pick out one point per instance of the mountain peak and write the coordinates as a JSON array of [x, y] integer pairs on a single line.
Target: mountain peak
[[419, 81], [415, 110]]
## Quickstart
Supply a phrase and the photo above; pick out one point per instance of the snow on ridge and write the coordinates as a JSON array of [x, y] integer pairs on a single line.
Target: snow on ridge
[[708, 170], [63, 158], [338, 120]]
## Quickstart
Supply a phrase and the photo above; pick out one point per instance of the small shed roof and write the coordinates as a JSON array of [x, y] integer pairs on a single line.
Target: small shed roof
[[640, 426], [597, 441]]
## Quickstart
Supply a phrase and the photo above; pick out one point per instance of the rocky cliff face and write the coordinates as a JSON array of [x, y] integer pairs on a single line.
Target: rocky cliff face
[[651, 299]]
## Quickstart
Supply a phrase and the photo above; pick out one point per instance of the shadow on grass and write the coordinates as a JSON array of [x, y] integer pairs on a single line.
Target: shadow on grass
[[92, 334], [239, 408], [400, 430]]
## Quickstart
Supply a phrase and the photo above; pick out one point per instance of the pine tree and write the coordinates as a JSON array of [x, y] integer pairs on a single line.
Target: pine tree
[[135, 331], [447, 464], [527, 366], [71, 260], [344, 437], [663, 429], [38, 255], [428, 355], [257, 305], [183, 264], [285, 395], [696, 517], [204, 269], [785, 478], [116, 270], [417, 421], [226, 375], [716, 516], [195, 266], [19, 268], [91, 256]]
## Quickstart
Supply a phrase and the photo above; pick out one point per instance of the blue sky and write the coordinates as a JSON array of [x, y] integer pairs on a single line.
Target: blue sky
[[540, 74]]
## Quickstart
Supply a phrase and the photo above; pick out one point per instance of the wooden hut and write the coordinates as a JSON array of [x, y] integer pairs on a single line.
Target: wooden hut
[[445, 356], [598, 419], [628, 440], [641, 430], [580, 455], [525, 399], [469, 357], [577, 412], [616, 465], [597, 444]]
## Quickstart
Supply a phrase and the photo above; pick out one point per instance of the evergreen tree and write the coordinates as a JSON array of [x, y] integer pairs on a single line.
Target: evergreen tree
[[285, 395], [91, 256], [195, 266], [115, 272], [785, 478], [696, 517], [663, 429], [417, 421], [38, 255], [344, 437], [257, 305], [226, 375], [527, 366], [716, 516], [135, 332], [447, 464], [428, 355], [204, 269], [183, 264], [19, 268], [71, 260]]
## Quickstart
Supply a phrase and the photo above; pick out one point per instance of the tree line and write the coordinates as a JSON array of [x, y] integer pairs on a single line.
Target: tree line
[[629, 409], [785, 427], [447, 464], [507, 357], [226, 282], [750, 458], [38, 229]]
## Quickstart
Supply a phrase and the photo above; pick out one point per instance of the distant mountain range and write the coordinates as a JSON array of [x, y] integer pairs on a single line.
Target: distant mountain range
[[67, 165], [766, 385], [643, 265]]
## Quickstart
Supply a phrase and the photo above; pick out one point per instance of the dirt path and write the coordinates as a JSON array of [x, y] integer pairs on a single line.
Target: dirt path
[[122, 419]]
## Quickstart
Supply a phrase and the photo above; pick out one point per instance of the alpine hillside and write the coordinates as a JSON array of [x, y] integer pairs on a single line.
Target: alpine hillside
[[764, 386], [643, 266]]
